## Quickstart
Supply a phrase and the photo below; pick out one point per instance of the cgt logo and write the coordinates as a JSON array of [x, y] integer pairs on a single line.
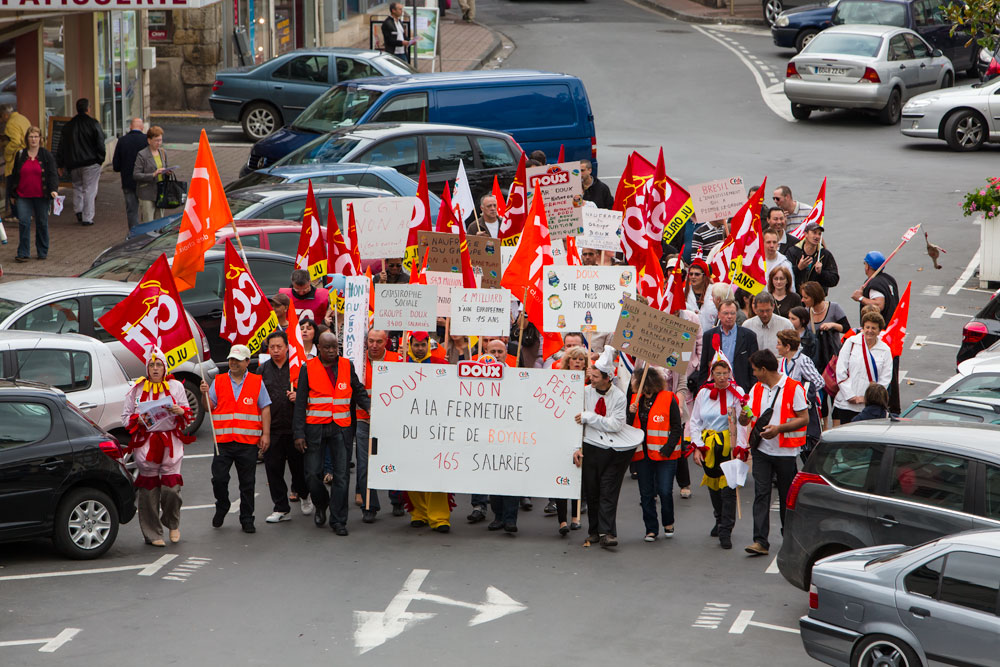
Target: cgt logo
[[657, 419], [387, 468], [476, 369], [248, 401], [562, 481]]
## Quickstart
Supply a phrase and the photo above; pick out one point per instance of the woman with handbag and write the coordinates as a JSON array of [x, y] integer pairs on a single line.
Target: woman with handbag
[[150, 169], [863, 359], [34, 183], [828, 322]]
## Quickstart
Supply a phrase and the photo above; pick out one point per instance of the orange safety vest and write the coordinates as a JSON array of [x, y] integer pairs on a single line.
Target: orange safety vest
[[657, 429], [237, 419], [389, 356], [328, 403], [787, 412]]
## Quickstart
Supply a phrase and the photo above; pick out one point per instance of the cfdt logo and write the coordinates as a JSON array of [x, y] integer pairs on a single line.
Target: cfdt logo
[[562, 481], [524, 375], [382, 369], [478, 369], [440, 372], [387, 468]]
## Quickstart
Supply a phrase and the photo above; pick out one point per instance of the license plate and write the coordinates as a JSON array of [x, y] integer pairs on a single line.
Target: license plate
[[834, 71]]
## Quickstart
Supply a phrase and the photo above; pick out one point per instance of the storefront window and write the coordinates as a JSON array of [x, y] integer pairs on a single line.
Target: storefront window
[[58, 99], [128, 78], [104, 110]]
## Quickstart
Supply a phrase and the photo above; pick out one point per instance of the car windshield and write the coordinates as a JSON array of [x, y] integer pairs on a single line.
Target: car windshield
[[845, 44], [238, 204], [871, 13], [122, 269], [341, 106], [394, 65], [985, 382], [888, 558], [330, 148], [7, 307], [254, 178], [929, 412]]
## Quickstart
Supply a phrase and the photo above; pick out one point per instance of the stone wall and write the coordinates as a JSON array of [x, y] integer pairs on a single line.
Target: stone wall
[[186, 66]]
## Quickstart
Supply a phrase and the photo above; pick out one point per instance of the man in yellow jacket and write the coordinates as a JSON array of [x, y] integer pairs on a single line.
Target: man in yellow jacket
[[15, 127]]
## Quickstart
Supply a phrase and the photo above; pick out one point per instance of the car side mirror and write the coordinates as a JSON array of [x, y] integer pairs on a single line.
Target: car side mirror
[[937, 53]]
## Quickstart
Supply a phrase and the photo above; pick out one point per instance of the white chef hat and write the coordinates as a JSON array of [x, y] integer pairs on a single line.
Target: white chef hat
[[605, 363]]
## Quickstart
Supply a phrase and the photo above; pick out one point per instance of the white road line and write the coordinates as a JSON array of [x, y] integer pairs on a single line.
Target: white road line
[[782, 111], [964, 278], [905, 375], [941, 310], [920, 341], [49, 644], [153, 568], [773, 567], [145, 570], [743, 621]]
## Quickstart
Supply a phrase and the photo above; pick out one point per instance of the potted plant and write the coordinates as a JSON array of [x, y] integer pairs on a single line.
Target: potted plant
[[984, 203]]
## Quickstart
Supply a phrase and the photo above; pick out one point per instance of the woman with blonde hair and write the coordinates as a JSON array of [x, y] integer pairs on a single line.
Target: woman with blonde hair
[[34, 183], [150, 166]]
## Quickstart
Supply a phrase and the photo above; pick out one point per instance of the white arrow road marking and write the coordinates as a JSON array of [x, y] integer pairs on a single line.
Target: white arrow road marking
[[941, 310], [145, 570], [49, 644], [773, 567], [743, 621], [964, 278], [374, 628]]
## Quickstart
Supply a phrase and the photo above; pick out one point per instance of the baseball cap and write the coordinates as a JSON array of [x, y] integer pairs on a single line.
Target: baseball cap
[[239, 352], [419, 336], [874, 259], [280, 300], [813, 225]]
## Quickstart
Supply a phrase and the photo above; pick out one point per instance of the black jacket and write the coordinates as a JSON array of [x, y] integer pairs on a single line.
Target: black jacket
[[885, 284], [746, 344], [389, 39], [50, 175], [277, 381], [359, 397], [124, 158], [827, 278], [600, 194], [82, 143]]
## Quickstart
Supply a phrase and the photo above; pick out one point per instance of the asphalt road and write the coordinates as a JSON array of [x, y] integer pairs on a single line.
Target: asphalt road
[[296, 594]]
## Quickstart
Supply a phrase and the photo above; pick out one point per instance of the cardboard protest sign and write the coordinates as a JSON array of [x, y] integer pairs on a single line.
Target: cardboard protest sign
[[562, 193], [356, 321], [658, 338], [717, 200], [475, 428], [444, 282], [485, 255], [585, 298], [444, 251], [406, 307], [383, 224], [480, 312], [601, 229]]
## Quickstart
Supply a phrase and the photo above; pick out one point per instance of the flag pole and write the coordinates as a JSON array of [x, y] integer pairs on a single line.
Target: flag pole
[[891, 255], [239, 242], [208, 403], [520, 336]]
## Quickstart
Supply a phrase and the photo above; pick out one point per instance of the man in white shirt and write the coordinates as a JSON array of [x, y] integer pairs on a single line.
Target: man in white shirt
[[393, 40], [772, 241], [765, 324], [490, 222], [781, 440]]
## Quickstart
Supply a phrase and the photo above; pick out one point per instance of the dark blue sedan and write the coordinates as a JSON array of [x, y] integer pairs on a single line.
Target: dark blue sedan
[[795, 27], [265, 97]]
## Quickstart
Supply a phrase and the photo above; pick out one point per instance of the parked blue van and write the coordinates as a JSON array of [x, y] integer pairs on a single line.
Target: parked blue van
[[541, 110]]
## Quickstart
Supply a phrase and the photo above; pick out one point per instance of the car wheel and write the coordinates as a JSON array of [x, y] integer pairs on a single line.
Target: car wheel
[[86, 524], [800, 111], [193, 392], [965, 131], [948, 80], [889, 115], [259, 120], [883, 650], [804, 38], [771, 10]]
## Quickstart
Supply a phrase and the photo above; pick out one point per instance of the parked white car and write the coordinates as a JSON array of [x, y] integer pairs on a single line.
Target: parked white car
[[981, 373], [82, 367]]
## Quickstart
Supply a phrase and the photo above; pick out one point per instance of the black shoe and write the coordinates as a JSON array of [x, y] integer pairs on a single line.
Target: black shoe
[[352, 465], [608, 541], [21, 259], [476, 516], [550, 508], [220, 516], [635, 475], [368, 516], [88, 223], [495, 525], [397, 510], [249, 528], [417, 523], [340, 530], [583, 508], [564, 530], [79, 217], [726, 542], [574, 526], [319, 517], [443, 528], [526, 504], [715, 531], [510, 528]]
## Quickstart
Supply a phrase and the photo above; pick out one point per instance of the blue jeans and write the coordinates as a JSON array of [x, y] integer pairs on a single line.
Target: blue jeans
[[38, 207], [656, 478], [361, 473]]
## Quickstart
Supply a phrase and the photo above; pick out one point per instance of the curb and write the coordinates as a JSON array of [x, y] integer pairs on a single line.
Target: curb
[[708, 20], [495, 47]]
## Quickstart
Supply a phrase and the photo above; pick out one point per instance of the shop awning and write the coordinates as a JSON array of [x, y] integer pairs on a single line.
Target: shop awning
[[64, 6]]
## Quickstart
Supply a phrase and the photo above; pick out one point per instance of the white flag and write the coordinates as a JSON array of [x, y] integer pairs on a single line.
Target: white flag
[[461, 197]]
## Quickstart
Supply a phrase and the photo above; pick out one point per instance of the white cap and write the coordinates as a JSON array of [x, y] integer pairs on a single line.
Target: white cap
[[239, 352], [605, 363]]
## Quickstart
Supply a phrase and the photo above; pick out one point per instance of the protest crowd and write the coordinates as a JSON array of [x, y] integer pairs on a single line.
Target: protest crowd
[[657, 348]]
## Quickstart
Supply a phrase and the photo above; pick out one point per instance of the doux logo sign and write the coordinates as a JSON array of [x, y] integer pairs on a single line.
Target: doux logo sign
[[476, 369]]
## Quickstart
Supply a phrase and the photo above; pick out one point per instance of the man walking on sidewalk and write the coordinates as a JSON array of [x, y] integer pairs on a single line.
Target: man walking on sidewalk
[[81, 153], [124, 162]]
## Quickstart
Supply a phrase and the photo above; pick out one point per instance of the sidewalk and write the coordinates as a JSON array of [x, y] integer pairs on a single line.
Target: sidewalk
[[745, 12], [463, 46]]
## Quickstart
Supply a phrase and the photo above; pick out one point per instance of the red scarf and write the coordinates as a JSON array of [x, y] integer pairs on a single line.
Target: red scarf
[[719, 395]]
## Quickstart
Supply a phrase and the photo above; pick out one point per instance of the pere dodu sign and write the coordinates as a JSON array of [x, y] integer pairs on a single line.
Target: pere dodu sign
[[475, 427]]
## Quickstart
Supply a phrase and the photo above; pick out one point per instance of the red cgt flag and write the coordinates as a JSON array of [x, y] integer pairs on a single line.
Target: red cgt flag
[[816, 215], [339, 258], [740, 259], [311, 255], [895, 331], [420, 220], [296, 347], [669, 208], [447, 222], [631, 197], [572, 253], [205, 212], [247, 316], [153, 311], [468, 274], [512, 224], [498, 195]]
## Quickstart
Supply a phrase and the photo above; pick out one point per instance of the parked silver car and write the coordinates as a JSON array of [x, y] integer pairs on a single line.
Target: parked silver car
[[966, 117], [935, 604], [870, 67]]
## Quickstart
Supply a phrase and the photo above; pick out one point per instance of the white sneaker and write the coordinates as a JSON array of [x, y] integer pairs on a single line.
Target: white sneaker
[[307, 506], [277, 517]]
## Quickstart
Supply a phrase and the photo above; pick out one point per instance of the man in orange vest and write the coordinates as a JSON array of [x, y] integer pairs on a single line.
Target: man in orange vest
[[781, 438], [322, 422], [241, 418], [374, 351]]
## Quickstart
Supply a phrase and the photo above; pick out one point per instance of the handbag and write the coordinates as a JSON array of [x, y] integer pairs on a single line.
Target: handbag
[[830, 377], [753, 440], [170, 193]]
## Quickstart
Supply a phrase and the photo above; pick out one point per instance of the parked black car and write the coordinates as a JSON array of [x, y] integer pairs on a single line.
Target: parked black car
[[924, 17], [982, 331], [772, 8], [796, 27], [889, 482], [60, 475]]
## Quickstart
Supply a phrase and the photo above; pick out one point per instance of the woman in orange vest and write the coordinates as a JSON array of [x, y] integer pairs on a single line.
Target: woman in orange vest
[[658, 413]]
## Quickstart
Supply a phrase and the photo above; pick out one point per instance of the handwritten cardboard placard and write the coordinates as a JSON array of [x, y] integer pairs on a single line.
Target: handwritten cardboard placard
[[658, 338], [383, 225], [444, 282], [485, 255], [585, 298], [562, 192], [719, 199], [406, 307], [445, 251], [601, 229], [356, 321], [480, 312]]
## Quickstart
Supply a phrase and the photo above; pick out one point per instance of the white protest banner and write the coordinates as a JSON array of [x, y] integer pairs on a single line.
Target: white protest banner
[[506, 254], [356, 321], [475, 428], [585, 298], [601, 229], [444, 282], [480, 312], [562, 192], [383, 224], [717, 200], [406, 307]]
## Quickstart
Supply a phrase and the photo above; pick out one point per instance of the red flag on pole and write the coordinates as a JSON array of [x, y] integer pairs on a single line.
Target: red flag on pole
[[517, 207], [572, 254], [338, 254], [447, 222], [895, 332], [468, 274], [562, 153], [311, 255], [740, 260], [816, 215], [296, 347], [498, 195], [420, 220], [247, 316]]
